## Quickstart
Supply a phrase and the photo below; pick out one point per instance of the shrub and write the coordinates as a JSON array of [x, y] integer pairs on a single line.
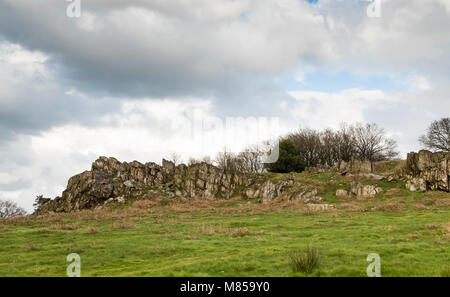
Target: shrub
[[288, 160], [305, 261]]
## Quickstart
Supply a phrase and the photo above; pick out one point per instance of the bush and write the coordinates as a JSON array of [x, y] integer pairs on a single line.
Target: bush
[[288, 160], [39, 201], [305, 261]]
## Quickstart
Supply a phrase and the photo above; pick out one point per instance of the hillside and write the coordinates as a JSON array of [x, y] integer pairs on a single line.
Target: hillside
[[159, 235]]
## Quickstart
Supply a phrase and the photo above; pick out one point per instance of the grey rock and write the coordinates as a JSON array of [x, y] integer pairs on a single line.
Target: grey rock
[[416, 185]]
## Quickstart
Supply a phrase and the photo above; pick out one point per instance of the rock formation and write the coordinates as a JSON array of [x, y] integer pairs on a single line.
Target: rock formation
[[359, 190], [428, 171], [355, 167], [268, 191], [110, 180]]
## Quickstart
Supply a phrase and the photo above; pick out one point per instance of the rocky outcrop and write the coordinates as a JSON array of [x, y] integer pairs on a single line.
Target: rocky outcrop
[[110, 180], [355, 167], [428, 171], [268, 191], [359, 191]]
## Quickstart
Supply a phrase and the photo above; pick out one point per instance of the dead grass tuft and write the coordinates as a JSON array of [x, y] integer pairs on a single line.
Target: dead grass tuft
[[91, 230], [392, 206], [232, 232], [123, 225], [67, 227]]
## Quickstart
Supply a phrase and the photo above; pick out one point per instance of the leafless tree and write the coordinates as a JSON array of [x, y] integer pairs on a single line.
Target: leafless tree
[[9, 209], [204, 159], [251, 160], [437, 137], [345, 142], [175, 158], [371, 143], [307, 141], [227, 161]]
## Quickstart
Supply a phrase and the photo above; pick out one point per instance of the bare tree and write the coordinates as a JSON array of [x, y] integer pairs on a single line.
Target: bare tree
[[204, 159], [307, 142], [227, 161], [437, 137], [345, 143], [251, 160], [371, 143], [9, 209], [175, 158]]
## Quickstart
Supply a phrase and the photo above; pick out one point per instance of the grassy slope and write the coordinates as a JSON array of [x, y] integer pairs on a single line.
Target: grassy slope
[[410, 231]]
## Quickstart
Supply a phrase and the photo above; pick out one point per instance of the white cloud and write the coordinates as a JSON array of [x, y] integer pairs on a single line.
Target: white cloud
[[324, 110]]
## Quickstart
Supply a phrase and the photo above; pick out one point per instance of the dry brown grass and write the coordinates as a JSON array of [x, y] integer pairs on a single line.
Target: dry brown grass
[[392, 192], [420, 206], [390, 206], [123, 225], [4, 229], [66, 227], [91, 230], [232, 232], [447, 227], [414, 236], [352, 206], [432, 226]]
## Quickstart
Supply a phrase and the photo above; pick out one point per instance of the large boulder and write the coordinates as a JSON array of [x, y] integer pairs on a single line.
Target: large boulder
[[364, 191], [355, 167], [432, 168]]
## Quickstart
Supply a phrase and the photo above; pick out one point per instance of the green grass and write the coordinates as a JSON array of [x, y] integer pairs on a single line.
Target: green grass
[[236, 238]]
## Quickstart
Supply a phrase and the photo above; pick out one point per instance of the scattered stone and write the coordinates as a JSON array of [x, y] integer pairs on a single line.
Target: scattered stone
[[307, 195], [343, 194], [364, 191], [320, 207]]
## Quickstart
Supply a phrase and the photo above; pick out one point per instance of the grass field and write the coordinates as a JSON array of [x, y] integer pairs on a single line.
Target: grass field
[[410, 232]]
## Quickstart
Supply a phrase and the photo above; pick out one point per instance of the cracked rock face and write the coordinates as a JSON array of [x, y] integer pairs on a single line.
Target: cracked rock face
[[269, 191], [109, 178], [429, 171], [416, 185]]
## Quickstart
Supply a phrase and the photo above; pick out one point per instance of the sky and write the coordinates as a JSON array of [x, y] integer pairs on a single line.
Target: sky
[[142, 80]]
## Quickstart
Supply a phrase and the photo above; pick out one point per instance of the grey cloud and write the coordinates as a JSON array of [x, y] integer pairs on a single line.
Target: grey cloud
[[168, 49]]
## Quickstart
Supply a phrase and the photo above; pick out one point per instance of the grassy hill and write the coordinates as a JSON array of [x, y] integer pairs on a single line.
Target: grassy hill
[[237, 237]]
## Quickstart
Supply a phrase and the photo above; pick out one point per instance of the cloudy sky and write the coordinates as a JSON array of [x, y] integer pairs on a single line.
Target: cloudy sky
[[142, 79]]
